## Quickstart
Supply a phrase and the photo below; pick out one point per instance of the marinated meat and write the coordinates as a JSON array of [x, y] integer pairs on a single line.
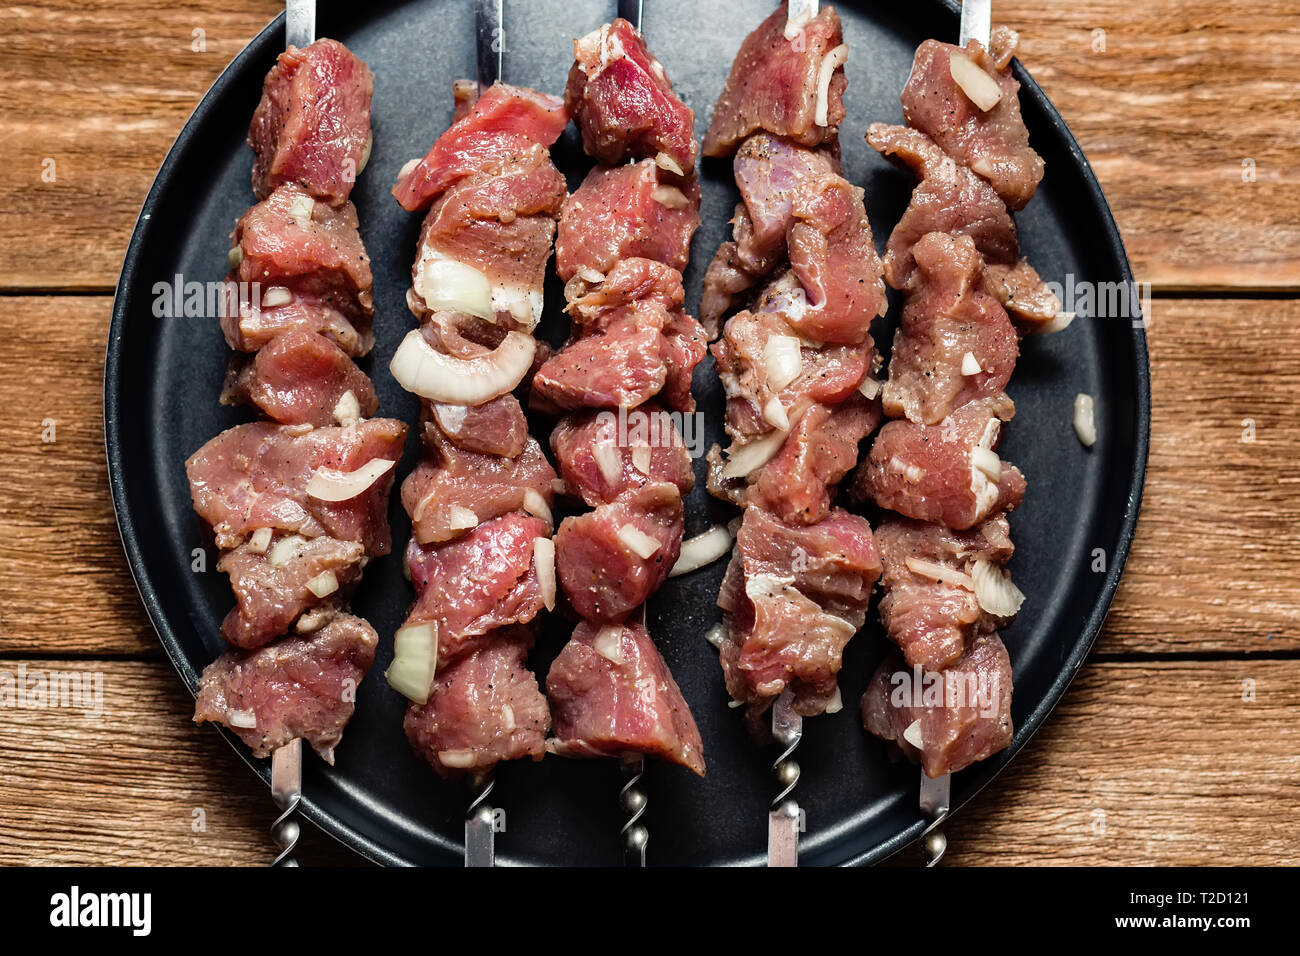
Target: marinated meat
[[611, 694], [599, 468], [300, 378]]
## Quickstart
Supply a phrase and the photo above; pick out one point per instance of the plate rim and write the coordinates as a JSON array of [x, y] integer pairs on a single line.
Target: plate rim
[[376, 852]]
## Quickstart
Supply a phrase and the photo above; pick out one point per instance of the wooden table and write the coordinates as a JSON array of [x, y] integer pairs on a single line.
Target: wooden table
[[1179, 742]]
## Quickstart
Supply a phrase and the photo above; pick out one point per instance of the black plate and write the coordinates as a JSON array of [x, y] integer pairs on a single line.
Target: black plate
[[160, 404]]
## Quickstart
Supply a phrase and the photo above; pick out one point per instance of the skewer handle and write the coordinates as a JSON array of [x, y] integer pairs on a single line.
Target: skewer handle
[[480, 830], [299, 22], [784, 816], [286, 791], [936, 798], [633, 801]]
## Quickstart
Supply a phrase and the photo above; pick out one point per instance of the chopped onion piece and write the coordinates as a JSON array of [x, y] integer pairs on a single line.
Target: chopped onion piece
[[830, 63], [913, 734], [544, 561], [994, 590], [260, 540], [970, 365], [588, 274], [456, 759], [324, 584], [508, 713], [641, 458], [329, 484], [987, 461], [869, 388], [836, 703], [302, 208], [983, 166], [701, 550], [1085, 419], [670, 197], [347, 410], [536, 505], [640, 543], [460, 518], [235, 256], [982, 89], [275, 296], [408, 167], [608, 643], [365, 153], [422, 369], [1061, 322], [666, 162], [716, 635], [784, 360], [245, 719], [415, 659], [284, 549], [774, 414], [746, 458], [609, 459], [940, 572], [446, 285]]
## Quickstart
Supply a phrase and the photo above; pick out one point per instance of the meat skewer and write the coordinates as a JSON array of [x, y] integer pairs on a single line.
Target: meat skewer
[[955, 255], [623, 241], [298, 503], [797, 365], [480, 557]]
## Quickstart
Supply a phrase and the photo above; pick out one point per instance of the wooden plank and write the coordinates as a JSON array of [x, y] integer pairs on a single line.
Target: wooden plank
[[1180, 768], [1184, 92], [1213, 568]]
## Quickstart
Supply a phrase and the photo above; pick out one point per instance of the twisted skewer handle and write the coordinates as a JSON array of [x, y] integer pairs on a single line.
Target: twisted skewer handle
[[286, 791], [784, 813], [633, 801], [936, 798], [480, 828]]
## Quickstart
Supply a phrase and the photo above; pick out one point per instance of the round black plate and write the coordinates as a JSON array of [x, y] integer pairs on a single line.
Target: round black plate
[[160, 404]]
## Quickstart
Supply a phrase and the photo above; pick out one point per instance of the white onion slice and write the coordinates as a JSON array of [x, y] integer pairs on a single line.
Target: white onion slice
[[422, 369], [745, 459], [666, 162], [970, 365], [1085, 419], [641, 458], [638, 542], [347, 410], [784, 360], [284, 549], [260, 540], [836, 703], [329, 484], [994, 590], [832, 61], [716, 635], [982, 89], [701, 550], [301, 209], [544, 561], [536, 505], [415, 659], [913, 734], [456, 759], [940, 572], [275, 296], [774, 414], [446, 285], [869, 388], [609, 460], [408, 167], [324, 584], [1057, 324], [987, 461], [669, 197], [588, 274], [460, 518], [608, 643], [245, 719]]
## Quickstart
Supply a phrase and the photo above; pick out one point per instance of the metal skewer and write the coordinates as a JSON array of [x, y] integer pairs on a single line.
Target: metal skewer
[[632, 11], [784, 816], [286, 760], [936, 792], [489, 27]]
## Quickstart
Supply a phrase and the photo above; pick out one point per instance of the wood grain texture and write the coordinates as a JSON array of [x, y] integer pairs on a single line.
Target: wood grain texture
[[1184, 91], [1141, 763]]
